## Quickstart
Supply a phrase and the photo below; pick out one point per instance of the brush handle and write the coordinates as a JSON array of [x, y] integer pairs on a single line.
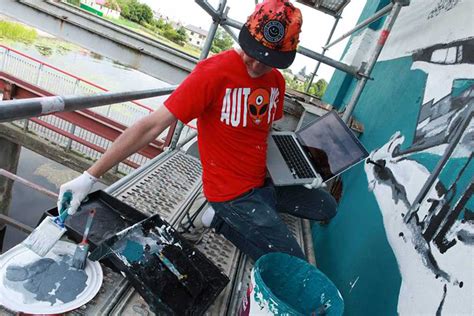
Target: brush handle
[[88, 226], [62, 212]]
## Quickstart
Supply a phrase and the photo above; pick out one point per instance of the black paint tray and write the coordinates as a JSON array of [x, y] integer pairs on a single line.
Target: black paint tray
[[112, 216], [171, 275]]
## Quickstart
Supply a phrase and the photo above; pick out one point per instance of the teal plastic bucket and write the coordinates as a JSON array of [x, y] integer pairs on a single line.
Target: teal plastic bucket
[[285, 285]]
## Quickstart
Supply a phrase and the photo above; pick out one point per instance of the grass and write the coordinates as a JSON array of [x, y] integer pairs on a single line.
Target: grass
[[147, 32], [17, 32]]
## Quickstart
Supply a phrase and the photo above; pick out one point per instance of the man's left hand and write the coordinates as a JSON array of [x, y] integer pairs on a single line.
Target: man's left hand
[[317, 183]]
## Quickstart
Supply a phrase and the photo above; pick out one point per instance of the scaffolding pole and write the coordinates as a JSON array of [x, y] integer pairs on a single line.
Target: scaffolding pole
[[361, 25], [337, 18], [26, 108], [442, 163], [369, 66]]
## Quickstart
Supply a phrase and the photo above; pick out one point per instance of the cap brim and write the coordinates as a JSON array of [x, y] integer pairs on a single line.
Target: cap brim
[[263, 54]]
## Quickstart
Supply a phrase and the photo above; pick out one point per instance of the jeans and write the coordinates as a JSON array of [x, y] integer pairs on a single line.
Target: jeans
[[251, 221]]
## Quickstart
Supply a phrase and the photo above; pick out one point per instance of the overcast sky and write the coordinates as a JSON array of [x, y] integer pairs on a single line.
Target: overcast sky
[[316, 25]]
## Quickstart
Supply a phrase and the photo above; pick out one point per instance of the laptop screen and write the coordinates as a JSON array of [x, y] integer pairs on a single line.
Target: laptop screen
[[331, 145]]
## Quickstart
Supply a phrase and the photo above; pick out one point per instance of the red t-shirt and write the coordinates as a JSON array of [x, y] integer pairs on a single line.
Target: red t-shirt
[[235, 113]]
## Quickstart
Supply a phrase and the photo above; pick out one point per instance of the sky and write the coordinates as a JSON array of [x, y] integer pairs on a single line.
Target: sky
[[315, 31]]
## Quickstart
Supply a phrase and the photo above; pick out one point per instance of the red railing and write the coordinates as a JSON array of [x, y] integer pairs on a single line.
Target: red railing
[[67, 74], [97, 131]]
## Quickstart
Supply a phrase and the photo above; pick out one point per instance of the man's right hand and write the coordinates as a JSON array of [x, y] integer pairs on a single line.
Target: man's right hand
[[79, 187]]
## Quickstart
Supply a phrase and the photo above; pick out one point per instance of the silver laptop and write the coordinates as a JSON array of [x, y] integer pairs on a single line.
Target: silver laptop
[[325, 148]]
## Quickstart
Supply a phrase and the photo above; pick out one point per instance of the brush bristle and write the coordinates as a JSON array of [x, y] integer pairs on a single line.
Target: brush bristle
[[44, 237], [80, 256]]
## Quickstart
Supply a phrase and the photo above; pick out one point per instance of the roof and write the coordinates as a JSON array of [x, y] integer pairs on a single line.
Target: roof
[[196, 29]]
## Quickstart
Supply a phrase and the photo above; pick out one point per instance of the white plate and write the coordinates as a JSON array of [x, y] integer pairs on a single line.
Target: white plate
[[21, 302]]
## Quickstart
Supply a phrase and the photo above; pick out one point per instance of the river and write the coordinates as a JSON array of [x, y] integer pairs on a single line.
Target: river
[[27, 205]]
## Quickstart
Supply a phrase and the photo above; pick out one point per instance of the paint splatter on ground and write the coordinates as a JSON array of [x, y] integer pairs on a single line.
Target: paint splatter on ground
[[47, 280]]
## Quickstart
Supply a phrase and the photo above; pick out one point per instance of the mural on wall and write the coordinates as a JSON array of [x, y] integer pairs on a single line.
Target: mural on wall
[[433, 243]]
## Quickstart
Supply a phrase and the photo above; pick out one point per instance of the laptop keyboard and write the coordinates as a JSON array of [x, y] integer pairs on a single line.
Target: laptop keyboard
[[293, 156]]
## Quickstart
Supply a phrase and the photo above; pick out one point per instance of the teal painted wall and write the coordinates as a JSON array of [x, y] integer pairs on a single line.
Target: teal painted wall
[[353, 249], [354, 244]]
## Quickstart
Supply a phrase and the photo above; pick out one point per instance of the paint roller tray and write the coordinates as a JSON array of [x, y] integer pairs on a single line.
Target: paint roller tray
[[171, 275], [112, 216]]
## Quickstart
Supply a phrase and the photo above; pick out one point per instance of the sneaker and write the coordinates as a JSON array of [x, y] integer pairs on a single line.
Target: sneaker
[[192, 227]]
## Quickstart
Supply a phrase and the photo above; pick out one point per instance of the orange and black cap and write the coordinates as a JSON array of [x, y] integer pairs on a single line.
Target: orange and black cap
[[271, 33]]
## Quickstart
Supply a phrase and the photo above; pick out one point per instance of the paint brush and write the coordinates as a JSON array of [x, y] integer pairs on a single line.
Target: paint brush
[[51, 229], [80, 255]]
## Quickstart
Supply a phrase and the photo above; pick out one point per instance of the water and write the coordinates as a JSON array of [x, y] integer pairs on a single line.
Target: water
[[27, 205], [92, 67]]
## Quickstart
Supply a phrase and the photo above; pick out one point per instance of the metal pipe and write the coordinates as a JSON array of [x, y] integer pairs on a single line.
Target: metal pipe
[[328, 61], [308, 242], [212, 30], [387, 27], [337, 18], [230, 32], [32, 185], [186, 140], [26, 108], [177, 133], [233, 23], [208, 8], [361, 25], [439, 167], [18, 225]]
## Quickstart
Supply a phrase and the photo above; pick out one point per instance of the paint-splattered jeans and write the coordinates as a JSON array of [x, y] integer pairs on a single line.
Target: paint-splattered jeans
[[251, 221]]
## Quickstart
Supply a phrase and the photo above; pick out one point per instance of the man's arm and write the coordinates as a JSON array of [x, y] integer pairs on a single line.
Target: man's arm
[[133, 139]]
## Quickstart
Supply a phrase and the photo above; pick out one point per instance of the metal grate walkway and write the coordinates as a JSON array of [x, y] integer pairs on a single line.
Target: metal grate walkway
[[171, 188]]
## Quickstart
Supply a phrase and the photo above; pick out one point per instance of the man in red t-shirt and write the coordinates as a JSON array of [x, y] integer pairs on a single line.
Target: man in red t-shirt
[[235, 96]]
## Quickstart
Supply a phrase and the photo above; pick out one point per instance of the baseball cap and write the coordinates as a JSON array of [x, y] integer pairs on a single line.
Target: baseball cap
[[271, 33]]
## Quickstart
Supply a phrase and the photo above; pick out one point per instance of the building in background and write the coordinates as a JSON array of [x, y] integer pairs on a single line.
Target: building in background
[[99, 7], [196, 35]]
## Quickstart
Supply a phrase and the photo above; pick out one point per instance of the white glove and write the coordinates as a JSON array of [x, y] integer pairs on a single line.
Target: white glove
[[317, 183], [79, 187]]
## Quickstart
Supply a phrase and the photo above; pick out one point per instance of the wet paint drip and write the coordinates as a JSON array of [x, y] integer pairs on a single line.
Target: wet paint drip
[[47, 280], [136, 245]]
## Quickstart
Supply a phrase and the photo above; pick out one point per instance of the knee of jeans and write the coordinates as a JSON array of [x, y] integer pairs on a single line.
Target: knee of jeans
[[264, 217], [330, 207]]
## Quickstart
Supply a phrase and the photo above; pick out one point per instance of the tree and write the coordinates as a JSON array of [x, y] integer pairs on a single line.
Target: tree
[[182, 37], [317, 89], [136, 12], [222, 41]]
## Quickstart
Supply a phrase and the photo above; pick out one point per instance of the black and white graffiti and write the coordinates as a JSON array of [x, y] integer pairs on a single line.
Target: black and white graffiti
[[434, 249]]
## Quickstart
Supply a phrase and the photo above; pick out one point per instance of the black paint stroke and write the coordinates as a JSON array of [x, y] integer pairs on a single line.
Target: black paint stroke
[[385, 176], [439, 311], [440, 240]]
